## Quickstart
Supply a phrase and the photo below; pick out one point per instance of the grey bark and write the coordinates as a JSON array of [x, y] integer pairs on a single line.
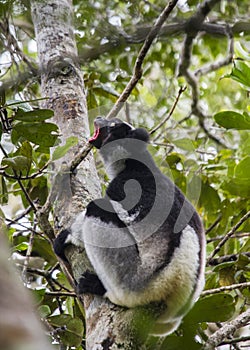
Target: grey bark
[[108, 326]]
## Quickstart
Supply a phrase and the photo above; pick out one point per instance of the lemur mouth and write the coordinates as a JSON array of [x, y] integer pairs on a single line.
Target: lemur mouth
[[100, 133], [96, 133]]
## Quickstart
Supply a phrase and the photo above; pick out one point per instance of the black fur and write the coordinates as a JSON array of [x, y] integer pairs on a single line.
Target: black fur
[[154, 186], [101, 208], [90, 283], [59, 244]]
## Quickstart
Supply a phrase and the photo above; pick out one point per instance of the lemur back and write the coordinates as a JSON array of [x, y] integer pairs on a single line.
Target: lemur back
[[144, 239]]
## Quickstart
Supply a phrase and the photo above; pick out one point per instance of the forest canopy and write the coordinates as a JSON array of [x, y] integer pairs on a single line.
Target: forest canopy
[[192, 95]]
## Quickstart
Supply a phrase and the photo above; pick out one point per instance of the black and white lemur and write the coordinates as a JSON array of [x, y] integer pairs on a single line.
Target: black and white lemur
[[144, 238]]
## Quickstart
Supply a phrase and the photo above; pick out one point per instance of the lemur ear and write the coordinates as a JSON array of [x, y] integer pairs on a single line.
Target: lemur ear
[[140, 134]]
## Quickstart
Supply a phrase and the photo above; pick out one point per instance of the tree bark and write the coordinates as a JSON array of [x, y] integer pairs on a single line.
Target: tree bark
[[107, 326]]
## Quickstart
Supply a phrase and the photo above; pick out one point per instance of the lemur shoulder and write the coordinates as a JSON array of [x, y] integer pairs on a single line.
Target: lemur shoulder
[[144, 238]]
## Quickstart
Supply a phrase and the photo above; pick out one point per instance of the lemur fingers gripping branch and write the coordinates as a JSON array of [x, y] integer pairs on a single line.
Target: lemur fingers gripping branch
[[144, 239]]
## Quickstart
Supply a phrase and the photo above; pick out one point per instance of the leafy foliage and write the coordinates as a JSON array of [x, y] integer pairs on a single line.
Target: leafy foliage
[[210, 164]]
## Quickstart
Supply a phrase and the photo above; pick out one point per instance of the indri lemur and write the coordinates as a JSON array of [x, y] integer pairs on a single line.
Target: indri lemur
[[144, 238]]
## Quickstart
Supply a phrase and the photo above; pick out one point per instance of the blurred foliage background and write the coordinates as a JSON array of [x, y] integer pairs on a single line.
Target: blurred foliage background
[[204, 145]]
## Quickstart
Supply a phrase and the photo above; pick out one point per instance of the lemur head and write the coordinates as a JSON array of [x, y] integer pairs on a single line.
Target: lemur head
[[107, 131], [117, 142]]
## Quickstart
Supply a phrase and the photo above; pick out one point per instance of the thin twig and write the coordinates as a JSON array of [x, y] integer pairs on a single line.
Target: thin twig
[[168, 116], [140, 58], [23, 214], [227, 330], [236, 236], [48, 276], [133, 81], [28, 177], [61, 294], [26, 193], [193, 26], [227, 258], [225, 61], [214, 224], [162, 144], [226, 288], [228, 235], [15, 222]]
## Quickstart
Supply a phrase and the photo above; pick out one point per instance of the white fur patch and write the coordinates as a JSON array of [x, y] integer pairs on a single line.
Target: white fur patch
[[75, 237], [123, 214], [115, 161], [99, 234], [175, 284]]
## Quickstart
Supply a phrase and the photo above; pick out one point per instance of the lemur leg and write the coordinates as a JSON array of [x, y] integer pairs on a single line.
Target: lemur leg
[[90, 283]]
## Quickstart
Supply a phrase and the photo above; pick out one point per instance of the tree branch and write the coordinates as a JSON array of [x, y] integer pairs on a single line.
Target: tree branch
[[61, 294], [214, 224], [122, 39], [224, 62], [227, 330], [192, 28], [28, 177], [133, 81], [80, 156], [226, 258], [226, 288], [140, 58], [168, 116], [235, 341], [228, 235]]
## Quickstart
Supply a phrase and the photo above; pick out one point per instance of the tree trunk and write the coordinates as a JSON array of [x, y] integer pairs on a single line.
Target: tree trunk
[[107, 326]]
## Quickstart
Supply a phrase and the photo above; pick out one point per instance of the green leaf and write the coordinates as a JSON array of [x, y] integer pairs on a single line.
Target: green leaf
[[180, 343], [39, 295], [184, 143], [233, 120], [241, 73], [60, 151], [26, 150], [173, 159], [43, 134], [21, 247], [42, 248], [214, 308], [18, 163], [237, 186], [209, 198], [91, 100], [71, 329], [44, 311], [38, 115], [246, 247], [242, 169], [106, 92]]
